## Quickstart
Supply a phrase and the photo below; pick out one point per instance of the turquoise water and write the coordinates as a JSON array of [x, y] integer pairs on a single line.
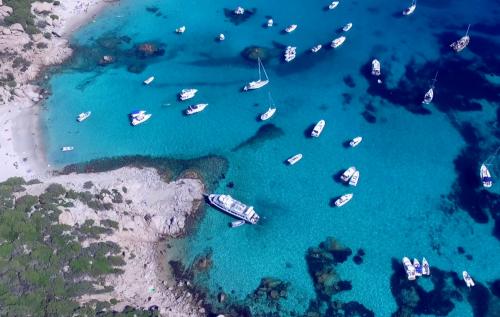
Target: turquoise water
[[404, 203]]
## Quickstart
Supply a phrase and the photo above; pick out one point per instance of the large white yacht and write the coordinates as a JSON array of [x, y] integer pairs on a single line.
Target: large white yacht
[[468, 280], [291, 28], [318, 128], [234, 207], [338, 41], [294, 159], [196, 108], [348, 174], [290, 53], [411, 8], [344, 199], [462, 43], [409, 268], [256, 84], [139, 116], [354, 142], [485, 176], [375, 67], [188, 93], [354, 179], [84, 115]]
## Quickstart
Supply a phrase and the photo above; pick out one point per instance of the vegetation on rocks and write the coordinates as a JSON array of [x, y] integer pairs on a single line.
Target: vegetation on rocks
[[21, 13]]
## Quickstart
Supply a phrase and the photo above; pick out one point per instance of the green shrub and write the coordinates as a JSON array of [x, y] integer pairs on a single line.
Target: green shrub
[[54, 16], [47, 35], [88, 185], [41, 45]]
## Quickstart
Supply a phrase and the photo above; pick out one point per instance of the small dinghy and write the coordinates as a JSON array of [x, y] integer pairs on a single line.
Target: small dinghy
[[291, 28], [344, 199], [468, 280], [347, 27], [84, 115], [418, 267], [411, 8], [237, 223], [270, 23], [222, 37], [462, 43], [426, 269], [294, 159], [485, 176], [410, 269], [180, 30], [333, 5], [429, 95], [67, 148], [354, 179], [354, 142], [318, 128], [348, 174], [149, 80]]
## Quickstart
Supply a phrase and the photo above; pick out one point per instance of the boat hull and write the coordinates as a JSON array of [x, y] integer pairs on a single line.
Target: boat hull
[[214, 201]]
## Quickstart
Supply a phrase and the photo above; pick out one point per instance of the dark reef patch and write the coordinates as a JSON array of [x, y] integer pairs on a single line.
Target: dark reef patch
[[265, 133], [237, 19], [349, 81], [495, 288]]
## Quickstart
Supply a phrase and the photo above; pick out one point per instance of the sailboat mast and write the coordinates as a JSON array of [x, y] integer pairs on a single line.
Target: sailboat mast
[[467, 33], [259, 62], [263, 69]]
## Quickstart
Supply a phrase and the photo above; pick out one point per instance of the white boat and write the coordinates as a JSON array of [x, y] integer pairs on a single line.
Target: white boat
[[411, 8], [375, 67], [294, 159], [462, 43], [237, 223], [149, 80], [67, 148], [354, 179], [181, 29], [84, 115], [270, 23], [318, 128], [222, 37], [347, 27], [234, 207], [316, 48], [468, 280], [429, 95], [196, 108], [348, 174], [333, 5], [409, 268], [188, 93], [291, 28], [290, 53], [338, 41], [344, 199], [418, 267], [239, 11], [258, 83], [485, 176], [270, 112], [426, 269], [354, 142], [139, 116]]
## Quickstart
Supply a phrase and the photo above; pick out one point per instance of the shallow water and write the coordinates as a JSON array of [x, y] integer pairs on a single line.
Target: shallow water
[[406, 201]]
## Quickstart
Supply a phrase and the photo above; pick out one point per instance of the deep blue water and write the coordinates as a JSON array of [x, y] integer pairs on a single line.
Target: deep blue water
[[418, 195]]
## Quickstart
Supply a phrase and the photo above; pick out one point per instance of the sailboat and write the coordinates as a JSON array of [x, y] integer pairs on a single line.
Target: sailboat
[[258, 83], [270, 112], [411, 8], [430, 93], [462, 43]]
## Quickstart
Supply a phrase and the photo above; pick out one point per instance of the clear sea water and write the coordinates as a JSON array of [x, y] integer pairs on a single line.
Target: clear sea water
[[406, 159]]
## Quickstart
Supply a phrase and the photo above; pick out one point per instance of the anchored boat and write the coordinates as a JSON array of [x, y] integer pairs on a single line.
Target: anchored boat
[[338, 41], [291, 28], [294, 159], [347, 27], [468, 280], [354, 179], [258, 83], [270, 112], [333, 5], [411, 8], [485, 176], [234, 207], [316, 48], [462, 43], [139, 116], [409, 268], [67, 148], [348, 174], [354, 142], [149, 80], [344, 199], [375, 67], [318, 128], [84, 115], [426, 269], [196, 108], [429, 95], [186, 94]]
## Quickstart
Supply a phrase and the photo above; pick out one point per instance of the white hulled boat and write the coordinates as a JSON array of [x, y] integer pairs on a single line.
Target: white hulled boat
[[291, 28], [411, 8], [316, 48], [237, 223], [149, 80], [354, 179], [294, 159], [290, 53], [338, 41], [409, 268], [344, 199], [462, 43], [270, 112], [348, 174], [181, 29], [270, 23], [426, 269], [222, 37], [418, 267], [318, 128], [67, 148], [468, 280], [239, 11], [333, 5], [347, 27], [234, 207], [375, 67], [84, 115], [429, 95], [139, 116], [485, 176], [188, 93], [258, 83], [196, 108], [354, 142]]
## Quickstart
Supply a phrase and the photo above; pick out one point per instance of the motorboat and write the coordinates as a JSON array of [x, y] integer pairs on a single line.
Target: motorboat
[[188, 93], [411, 8], [410, 269], [429, 95], [462, 43], [181, 29], [291, 28], [468, 280], [318, 128], [342, 200], [239, 11], [338, 41], [485, 176], [237, 223], [234, 207], [316, 48], [268, 114], [222, 37], [290, 53], [347, 27], [149, 80], [196, 108], [270, 23], [348, 174], [354, 179], [294, 159], [418, 267], [333, 5], [375, 67], [67, 148], [258, 83], [84, 115], [426, 269], [354, 142], [139, 116]]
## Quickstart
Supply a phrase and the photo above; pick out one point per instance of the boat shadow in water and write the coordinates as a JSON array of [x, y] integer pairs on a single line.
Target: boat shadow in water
[[336, 177], [307, 132], [266, 132]]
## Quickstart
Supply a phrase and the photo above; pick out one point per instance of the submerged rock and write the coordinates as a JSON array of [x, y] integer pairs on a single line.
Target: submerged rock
[[252, 53], [146, 50], [106, 60]]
